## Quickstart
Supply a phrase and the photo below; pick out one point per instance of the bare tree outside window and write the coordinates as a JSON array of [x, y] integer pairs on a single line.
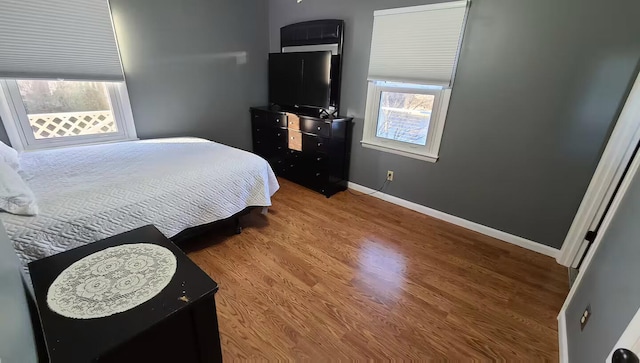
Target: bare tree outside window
[[63, 96], [405, 117], [66, 108]]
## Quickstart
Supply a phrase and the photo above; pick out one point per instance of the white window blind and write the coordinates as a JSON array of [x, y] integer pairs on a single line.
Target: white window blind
[[70, 39], [417, 44]]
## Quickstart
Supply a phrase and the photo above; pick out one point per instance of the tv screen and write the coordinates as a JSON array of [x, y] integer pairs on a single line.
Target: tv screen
[[300, 79]]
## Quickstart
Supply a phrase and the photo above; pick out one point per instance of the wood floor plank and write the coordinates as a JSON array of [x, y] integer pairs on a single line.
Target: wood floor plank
[[354, 277]]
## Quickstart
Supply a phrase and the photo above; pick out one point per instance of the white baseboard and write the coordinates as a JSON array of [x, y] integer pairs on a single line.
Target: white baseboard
[[562, 338], [504, 236]]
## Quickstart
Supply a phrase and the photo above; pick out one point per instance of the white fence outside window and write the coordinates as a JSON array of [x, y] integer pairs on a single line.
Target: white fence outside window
[[62, 124]]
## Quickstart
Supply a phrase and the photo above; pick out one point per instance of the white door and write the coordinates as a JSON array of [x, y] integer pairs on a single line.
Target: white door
[[607, 285], [630, 339], [610, 171]]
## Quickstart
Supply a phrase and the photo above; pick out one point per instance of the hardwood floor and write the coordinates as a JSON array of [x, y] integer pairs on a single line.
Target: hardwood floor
[[357, 277]]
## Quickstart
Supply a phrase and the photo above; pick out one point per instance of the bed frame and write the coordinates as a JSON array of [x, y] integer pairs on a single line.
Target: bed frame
[[197, 231]]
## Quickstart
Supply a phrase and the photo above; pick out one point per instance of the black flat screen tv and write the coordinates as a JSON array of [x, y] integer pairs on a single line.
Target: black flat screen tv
[[300, 79]]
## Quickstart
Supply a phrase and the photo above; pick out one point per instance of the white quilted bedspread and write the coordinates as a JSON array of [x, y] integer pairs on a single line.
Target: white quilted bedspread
[[92, 192]]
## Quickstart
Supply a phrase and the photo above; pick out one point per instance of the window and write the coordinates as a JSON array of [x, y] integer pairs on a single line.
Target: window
[[404, 116], [405, 119], [61, 79], [46, 113], [414, 53], [63, 109]]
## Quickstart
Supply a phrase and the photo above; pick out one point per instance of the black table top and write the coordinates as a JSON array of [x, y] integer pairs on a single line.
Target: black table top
[[282, 111], [70, 340]]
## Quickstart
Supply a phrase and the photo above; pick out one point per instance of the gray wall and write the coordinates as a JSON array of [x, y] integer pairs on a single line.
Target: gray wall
[[610, 285], [17, 343], [181, 79], [3, 134], [538, 86]]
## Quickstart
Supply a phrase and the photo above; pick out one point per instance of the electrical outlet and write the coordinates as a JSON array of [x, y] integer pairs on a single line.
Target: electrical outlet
[[390, 175], [584, 318]]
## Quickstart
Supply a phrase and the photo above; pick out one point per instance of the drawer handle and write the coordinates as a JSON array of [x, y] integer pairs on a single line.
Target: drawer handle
[[293, 138], [279, 134], [318, 159], [257, 142], [279, 147], [319, 144], [319, 128], [317, 174], [258, 130], [291, 166]]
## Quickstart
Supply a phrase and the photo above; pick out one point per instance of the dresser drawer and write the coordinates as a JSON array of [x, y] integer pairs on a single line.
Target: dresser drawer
[[266, 118], [315, 178], [268, 141], [278, 164], [293, 121], [276, 159], [294, 155], [320, 128], [292, 167], [314, 144], [316, 161], [295, 140], [270, 134], [268, 150]]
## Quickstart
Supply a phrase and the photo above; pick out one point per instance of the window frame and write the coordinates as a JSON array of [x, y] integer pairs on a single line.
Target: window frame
[[16, 121], [428, 152]]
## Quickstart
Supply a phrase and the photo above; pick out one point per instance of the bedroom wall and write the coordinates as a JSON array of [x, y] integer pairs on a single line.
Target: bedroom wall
[[537, 90], [609, 285], [17, 342], [194, 67], [3, 134]]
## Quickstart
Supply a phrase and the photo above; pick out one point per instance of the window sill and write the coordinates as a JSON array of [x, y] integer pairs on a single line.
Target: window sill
[[424, 157], [41, 147]]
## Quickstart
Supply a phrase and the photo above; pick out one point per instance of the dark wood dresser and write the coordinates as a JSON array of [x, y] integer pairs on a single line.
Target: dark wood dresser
[[311, 151]]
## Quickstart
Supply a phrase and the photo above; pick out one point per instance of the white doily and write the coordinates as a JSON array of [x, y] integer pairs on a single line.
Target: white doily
[[111, 281]]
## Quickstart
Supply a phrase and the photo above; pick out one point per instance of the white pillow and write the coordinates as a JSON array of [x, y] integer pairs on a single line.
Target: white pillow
[[9, 156], [15, 195]]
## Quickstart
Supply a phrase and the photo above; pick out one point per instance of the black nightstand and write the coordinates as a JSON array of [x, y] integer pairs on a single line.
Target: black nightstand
[[177, 325]]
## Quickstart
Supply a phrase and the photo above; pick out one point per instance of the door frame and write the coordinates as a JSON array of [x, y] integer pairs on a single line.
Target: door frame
[[629, 337], [619, 197], [615, 158]]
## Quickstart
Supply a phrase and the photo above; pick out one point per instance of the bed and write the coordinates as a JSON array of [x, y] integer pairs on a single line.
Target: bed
[[88, 193]]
